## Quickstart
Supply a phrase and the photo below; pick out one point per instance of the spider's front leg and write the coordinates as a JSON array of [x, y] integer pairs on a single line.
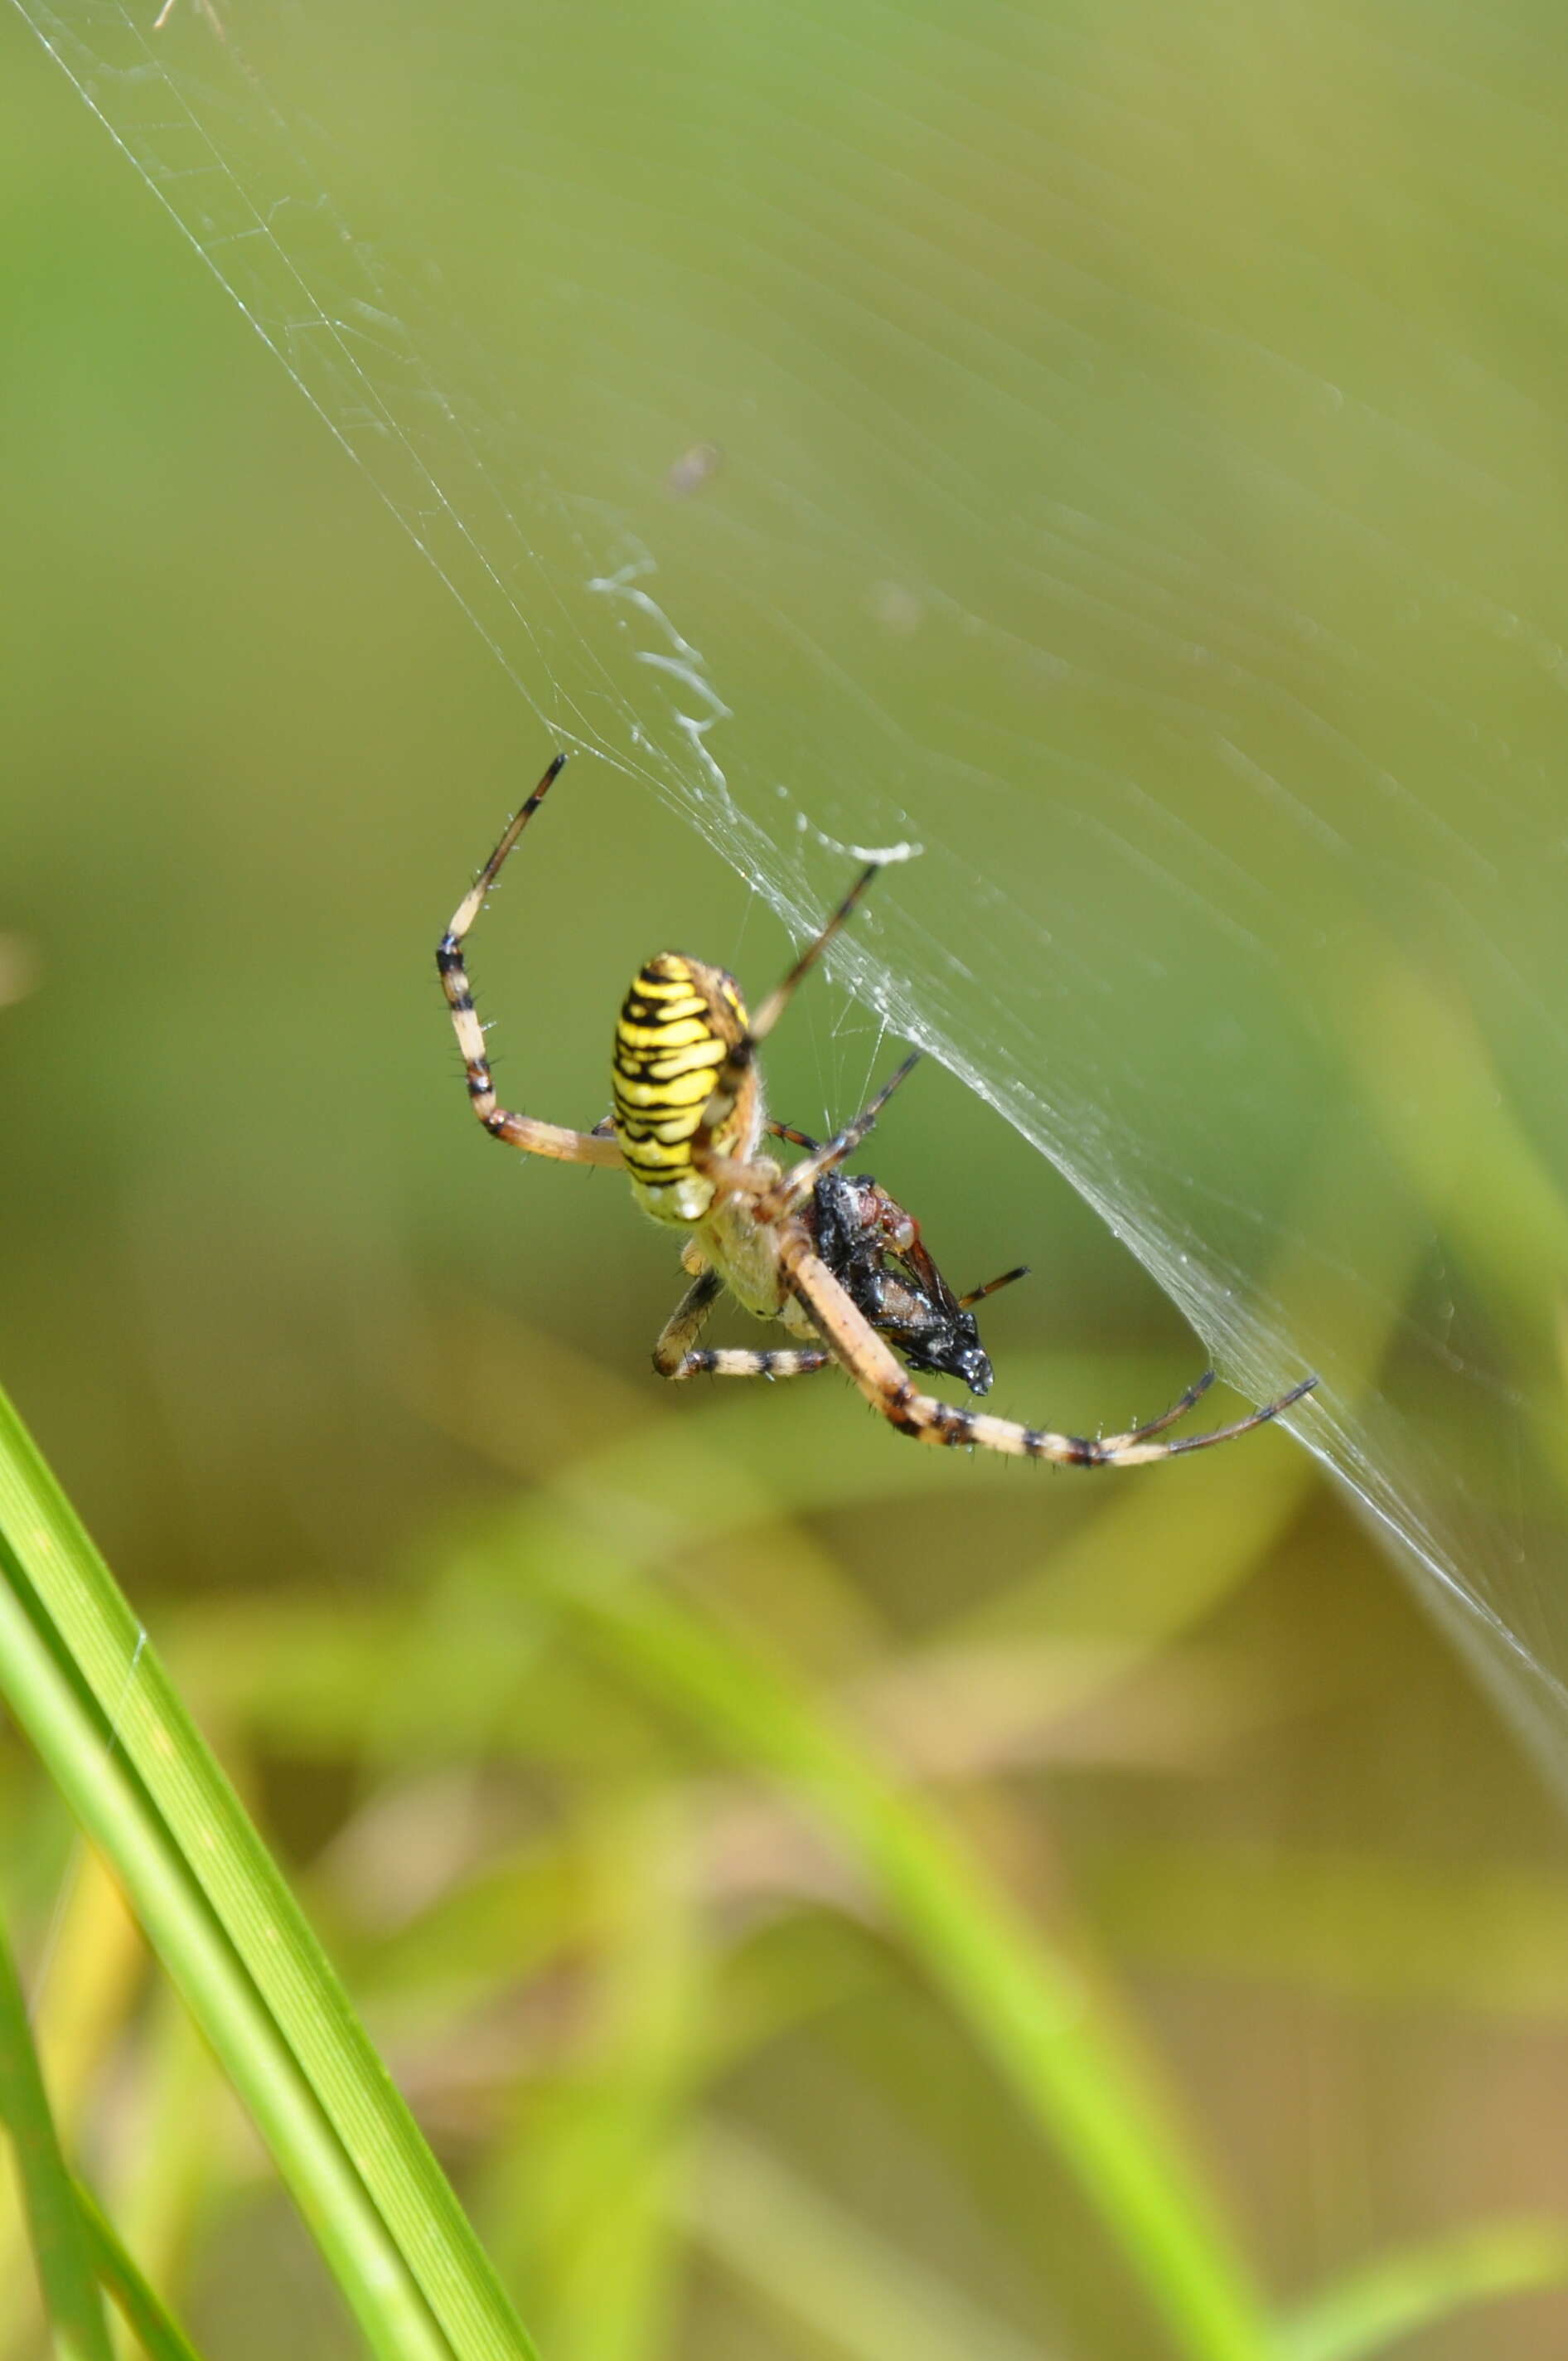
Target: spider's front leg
[[675, 1357], [518, 1130], [868, 1361]]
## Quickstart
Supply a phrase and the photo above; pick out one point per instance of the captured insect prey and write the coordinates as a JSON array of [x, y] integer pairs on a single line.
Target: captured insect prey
[[832, 1257], [873, 1249]]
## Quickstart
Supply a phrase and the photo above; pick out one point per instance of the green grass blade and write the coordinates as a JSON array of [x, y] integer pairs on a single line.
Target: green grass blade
[[160, 2335], [1391, 2298], [101, 1789], [83, 1681], [61, 2245], [1027, 2005], [598, 2152]]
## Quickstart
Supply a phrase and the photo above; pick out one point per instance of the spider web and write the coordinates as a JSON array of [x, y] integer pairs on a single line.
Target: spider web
[[1117, 455]]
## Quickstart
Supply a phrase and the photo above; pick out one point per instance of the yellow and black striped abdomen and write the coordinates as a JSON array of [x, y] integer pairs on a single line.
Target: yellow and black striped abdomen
[[677, 1025]]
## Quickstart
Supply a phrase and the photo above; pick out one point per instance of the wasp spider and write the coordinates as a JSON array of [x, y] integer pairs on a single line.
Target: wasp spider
[[832, 1257]]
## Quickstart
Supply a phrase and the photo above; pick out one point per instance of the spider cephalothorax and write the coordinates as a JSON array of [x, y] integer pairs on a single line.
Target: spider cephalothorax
[[834, 1258]]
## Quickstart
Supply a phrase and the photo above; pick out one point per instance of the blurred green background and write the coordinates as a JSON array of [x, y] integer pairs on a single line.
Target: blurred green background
[[330, 1378]]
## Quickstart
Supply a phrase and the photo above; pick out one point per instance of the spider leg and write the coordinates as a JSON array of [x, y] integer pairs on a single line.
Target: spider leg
[[795, 1138], [518, 1130], [675, 1357], [773, 1007], [801, 1178], [1184, 1402], [742, 1057], [1242, 1425], [868, 1361]]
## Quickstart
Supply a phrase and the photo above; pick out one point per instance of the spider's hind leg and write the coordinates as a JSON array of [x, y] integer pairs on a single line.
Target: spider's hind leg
[[732, 1075], [524, 1131]]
